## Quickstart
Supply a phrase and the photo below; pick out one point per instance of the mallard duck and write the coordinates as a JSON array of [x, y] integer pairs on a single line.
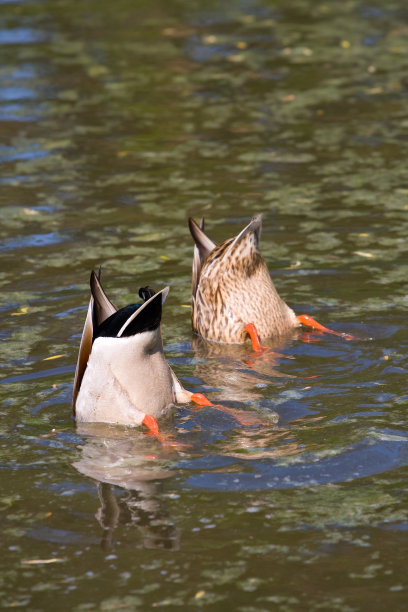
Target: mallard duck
[[233, 295], [122, 375]]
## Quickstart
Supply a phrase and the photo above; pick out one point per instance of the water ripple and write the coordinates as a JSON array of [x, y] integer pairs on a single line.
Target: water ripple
[[33, 240], [18, 36], [363, 459]]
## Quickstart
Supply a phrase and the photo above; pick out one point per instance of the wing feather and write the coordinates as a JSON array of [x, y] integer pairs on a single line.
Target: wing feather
[[103, 307], [99, 309], [204, 244], [84, 352], [202, 247]]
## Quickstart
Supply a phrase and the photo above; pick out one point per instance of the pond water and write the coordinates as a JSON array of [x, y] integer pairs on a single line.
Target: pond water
[[118, 121]]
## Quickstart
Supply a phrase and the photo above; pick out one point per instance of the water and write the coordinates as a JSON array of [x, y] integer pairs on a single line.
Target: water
[[118, 121]]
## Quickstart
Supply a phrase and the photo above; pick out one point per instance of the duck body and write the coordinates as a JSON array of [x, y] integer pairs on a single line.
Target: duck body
[[122, 375], [112, 391], [232, 287]]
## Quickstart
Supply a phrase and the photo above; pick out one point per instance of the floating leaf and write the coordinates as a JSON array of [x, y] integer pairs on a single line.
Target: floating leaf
[[148, 237], [41, 561], [294, 266], [363, 254], [22, 311]]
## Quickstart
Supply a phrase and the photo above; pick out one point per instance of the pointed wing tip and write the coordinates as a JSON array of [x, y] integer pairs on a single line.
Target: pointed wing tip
[[204, 244], [94, 278], [256, 225], [96, 275], [192, 224], [164, 292], [256, 221]]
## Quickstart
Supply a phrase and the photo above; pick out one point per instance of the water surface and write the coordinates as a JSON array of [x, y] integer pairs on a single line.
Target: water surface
[[118, 121]]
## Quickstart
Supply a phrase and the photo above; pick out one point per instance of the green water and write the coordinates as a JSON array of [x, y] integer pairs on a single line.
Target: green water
[[119, 120]]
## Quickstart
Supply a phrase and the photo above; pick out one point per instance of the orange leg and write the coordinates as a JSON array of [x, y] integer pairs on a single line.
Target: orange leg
[[200, 399], [241, 416], [151, 424], [310, 322], [256, 345]]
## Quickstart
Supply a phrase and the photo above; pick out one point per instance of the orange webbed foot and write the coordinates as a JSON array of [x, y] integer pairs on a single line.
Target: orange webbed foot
[[166, 440], [242, 417], [151, 424], [252, 331], [200, 399], [310, 322]]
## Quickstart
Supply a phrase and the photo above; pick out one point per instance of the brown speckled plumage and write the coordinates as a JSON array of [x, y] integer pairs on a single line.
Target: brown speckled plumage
[[232, 287]]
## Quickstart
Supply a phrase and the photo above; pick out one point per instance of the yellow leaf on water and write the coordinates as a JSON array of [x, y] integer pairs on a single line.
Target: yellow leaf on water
[[363, 254], [148, 237], [199, 594], [22, 311], [54, 357], [165, 257], [295, 265], [41, 561], [185, 305]]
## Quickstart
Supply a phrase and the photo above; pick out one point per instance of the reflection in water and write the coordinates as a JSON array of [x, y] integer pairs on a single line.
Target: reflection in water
[[239, 373], [116, 456], [262, 443], [361, 460], [21, 36]]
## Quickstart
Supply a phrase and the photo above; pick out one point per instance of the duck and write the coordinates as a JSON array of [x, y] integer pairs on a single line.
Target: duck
[[122, 375], [233, 295]]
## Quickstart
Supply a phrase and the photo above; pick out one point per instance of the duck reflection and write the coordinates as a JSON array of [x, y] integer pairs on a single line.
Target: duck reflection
[[119, 458], [271, 443], [239, 373]]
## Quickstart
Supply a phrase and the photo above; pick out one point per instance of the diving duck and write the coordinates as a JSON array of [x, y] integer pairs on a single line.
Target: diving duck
[[233, 295], [122, 375]]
